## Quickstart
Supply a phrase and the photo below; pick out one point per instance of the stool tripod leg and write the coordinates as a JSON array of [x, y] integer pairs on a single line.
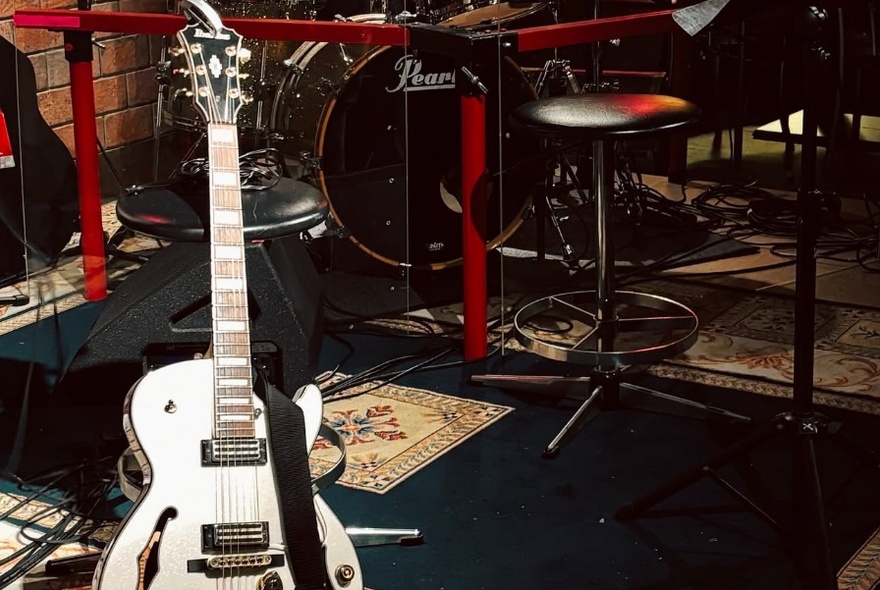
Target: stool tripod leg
[[578, 419], [650, 399]]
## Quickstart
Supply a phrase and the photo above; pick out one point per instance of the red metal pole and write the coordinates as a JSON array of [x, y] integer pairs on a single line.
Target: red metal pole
[[78, 49], [473, 181]]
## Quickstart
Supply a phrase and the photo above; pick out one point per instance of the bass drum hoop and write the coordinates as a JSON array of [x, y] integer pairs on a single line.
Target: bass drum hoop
[[327, 112]]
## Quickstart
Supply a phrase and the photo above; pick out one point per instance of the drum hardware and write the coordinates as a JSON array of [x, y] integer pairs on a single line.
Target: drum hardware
[[596, 85], [310, 162], [163, 79], [544, 208], [474, 80], [557, 76]]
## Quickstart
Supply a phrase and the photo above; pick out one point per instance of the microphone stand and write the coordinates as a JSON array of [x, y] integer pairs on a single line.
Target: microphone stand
[[807, 530]]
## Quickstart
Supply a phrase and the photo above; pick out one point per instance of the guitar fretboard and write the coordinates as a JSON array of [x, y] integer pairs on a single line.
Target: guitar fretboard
[[233, 381]]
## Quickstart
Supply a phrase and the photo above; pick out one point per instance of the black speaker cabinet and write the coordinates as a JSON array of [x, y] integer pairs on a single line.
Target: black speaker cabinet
[[162, 313]]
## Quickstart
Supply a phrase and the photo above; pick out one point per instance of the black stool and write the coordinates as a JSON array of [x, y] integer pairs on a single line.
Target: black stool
[[620, 328], [178, 211]]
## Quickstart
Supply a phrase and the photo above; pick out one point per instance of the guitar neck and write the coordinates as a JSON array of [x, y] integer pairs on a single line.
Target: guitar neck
[[233, 380]]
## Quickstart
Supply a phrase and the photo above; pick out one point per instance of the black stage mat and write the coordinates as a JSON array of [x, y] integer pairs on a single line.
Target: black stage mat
[[495, 515]]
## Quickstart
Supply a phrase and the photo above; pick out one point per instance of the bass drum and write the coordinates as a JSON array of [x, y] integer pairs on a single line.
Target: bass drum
[[380, 129], [261, 71]]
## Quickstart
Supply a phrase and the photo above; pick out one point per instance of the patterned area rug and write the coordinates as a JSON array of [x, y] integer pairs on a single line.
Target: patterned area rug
[[746, 343], [62, 284], [43, 516], [392, 431]]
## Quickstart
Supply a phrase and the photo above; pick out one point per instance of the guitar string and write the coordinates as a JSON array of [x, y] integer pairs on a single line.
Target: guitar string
[[233, 82], [219, 434], [238, 270], [239, 506]]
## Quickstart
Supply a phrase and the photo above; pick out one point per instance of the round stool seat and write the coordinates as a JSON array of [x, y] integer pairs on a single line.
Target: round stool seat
[[603, 115], [179, 211]]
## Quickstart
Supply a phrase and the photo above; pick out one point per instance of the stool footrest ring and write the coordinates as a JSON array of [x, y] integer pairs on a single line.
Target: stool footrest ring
[[646, 328]]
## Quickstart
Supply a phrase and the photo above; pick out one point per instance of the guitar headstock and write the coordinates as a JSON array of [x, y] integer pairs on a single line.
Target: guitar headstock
[[212, 53]]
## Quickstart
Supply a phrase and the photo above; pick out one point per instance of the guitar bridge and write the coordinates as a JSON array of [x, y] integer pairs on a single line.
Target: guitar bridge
[[232, 452], [249, 536], [227, 562]]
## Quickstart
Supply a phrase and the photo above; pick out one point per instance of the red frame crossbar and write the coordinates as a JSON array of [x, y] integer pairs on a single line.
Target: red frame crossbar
[[473, 112]]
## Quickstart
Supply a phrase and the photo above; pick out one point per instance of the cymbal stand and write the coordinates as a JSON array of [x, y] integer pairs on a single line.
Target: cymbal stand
[[163, 67], [596, 84], [807, 533]]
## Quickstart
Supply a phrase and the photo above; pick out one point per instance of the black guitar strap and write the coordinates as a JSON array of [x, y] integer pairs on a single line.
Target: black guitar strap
[[287, 437]]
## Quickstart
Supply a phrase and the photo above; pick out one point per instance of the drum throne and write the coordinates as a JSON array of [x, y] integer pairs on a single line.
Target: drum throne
[[611, 330]]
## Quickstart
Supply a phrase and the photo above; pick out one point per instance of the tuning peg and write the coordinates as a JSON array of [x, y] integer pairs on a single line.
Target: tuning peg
[[176, 50], [244, 55], [180, 72], [246, 98]]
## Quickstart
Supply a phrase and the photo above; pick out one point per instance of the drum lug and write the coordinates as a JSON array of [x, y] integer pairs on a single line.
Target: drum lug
[[328, 86], [332, 229], [310, 162]]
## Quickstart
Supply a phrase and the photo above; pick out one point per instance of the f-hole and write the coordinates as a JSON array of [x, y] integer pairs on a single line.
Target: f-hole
[[148, 560]]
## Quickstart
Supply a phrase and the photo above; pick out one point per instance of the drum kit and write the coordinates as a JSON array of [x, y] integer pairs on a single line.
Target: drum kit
[[348, 119]]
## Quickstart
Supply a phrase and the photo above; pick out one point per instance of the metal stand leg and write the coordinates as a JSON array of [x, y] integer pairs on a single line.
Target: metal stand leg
[[807, 535], [574, 424], [606, 314], [544, 210], [372, 537]]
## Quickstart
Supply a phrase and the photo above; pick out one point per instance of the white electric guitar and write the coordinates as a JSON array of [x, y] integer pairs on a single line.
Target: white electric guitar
[[208, 515]]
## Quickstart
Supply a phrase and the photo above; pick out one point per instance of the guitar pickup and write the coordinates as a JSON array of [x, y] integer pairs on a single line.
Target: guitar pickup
[[232, 452], [249, 536]]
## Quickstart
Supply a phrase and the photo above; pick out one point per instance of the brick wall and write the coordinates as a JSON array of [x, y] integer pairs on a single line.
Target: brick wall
[[125, 84]]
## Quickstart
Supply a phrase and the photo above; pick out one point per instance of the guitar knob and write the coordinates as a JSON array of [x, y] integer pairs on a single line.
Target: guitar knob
[[345, 574], [271, 581]]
